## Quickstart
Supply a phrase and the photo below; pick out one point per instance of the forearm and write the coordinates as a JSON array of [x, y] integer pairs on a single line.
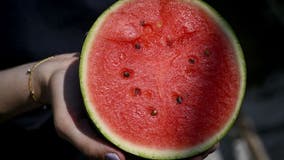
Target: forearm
[[14, 93]]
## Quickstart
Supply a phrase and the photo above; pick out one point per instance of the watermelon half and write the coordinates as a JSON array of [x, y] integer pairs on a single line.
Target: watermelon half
[[162, 79]]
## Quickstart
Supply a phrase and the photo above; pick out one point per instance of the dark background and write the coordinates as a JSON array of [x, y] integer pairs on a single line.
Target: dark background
[[33, 29]]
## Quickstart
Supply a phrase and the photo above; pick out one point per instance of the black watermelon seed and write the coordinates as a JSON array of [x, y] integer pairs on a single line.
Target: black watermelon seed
[[179, 99], [154, 112], [126, 74], [142, 23], [137, 46], [191, 61]]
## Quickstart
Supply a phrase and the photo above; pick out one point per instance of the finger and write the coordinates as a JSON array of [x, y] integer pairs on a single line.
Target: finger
[[94, 147], [86, 141], [78, 132], [203, 155]]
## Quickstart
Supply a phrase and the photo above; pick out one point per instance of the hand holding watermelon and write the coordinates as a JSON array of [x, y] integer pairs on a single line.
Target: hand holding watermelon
[[56, 83], [71, 119]]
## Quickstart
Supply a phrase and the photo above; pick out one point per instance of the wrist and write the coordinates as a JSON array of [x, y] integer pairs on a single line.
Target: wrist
[[38, 80], [45, 71]]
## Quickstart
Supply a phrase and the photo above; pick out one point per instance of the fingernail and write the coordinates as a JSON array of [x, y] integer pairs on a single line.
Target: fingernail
[[111, 156]]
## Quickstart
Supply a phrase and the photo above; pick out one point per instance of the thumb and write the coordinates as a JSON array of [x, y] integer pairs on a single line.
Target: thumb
[[77, 130], [92, 146], [71, 123]]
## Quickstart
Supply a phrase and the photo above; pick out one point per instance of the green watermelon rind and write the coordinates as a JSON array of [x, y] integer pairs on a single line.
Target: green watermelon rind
[[150, 152]]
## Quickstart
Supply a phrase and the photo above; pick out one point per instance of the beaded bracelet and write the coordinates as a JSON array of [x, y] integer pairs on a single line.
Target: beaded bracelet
[[30, 73]]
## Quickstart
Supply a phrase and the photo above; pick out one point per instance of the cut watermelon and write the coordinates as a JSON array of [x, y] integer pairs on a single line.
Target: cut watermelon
[[162, 79]]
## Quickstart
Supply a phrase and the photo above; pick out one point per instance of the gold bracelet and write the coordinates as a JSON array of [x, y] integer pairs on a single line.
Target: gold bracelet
[[30, 73]]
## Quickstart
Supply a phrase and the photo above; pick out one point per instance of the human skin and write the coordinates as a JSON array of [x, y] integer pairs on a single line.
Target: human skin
[[56, 82]]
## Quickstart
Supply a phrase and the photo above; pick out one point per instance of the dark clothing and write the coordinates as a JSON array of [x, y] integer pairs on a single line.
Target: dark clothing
[[35, 29], [32, 30]]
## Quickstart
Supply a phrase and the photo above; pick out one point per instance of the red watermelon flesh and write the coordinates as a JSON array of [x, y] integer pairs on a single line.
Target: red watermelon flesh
[[161, 74]]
